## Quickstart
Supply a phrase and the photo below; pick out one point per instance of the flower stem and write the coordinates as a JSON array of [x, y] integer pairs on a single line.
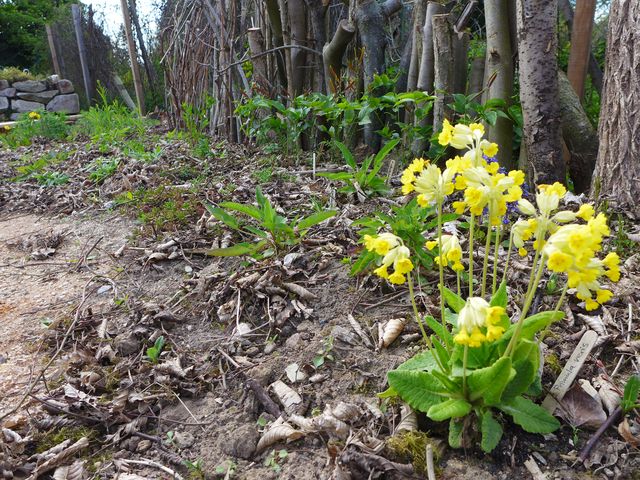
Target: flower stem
[[506, 265], [525, 309], [561, 299], [458, 283], [464, 370], [441, 271], [426, 338], [485, 262], [471, 225], [496, 251]]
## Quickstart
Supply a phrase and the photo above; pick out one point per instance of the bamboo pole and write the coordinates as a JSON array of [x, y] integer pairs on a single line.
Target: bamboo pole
[[581, 44], [54, 54], [77, 23], [133, 56]]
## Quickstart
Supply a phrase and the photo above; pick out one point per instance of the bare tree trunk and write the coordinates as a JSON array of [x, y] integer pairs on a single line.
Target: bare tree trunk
[[256, 47], [595, 72], [616, 175], [426, 74], [275, 20], [476, 76], [537, 45], [579, 136], [460, 61], [581, 44], [417, 45], [333, 52], [499, 75], [443, 67], [148, 66], [317, 11], [298, 28]]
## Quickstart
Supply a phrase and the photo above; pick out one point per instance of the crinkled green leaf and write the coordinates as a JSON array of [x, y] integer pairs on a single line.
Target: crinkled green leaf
[[452, 408], [422, 361], [531, 417], [490, 382], [499, 298], [491, 432], [454, 301], [526, 359], [419, 389], [456, 430]]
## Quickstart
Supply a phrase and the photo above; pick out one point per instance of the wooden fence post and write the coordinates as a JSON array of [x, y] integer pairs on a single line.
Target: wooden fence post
[[54, 54], [133, 56], [77, 22]]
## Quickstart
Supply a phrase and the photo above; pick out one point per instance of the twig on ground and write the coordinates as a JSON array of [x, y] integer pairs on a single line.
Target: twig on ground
[[584, 453], [150, 463]]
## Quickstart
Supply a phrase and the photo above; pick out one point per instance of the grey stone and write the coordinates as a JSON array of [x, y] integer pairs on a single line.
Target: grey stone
[[65, 86], [65, 103], [4, 84], [8, 92], [241, 442], [126, 343], [4, 104], [14, 116], [41, 97], [32, 86], [24, 106]]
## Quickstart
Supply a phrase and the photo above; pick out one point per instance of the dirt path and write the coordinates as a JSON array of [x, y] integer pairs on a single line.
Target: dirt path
[[41, 284]]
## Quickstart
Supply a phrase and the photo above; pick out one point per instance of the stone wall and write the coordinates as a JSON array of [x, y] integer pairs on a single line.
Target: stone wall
[[52, 94]]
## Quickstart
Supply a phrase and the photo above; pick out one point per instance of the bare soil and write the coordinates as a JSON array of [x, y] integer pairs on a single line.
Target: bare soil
[[118, 280]]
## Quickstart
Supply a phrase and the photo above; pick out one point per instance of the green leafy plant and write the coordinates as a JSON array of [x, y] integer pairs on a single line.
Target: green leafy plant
[[324, 354], [631, 395], [227, 468], [195, 469], [49, 125], [272, 231], [153, 353], [103, 168], [51, 179], [478, 366], [275, 459], [110, 122], [363, 179]]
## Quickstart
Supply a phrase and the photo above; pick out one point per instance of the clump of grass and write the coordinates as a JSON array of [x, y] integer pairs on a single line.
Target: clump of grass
[[110, 122], [56, 436], [50, 125], [412, 446], [14, 74]]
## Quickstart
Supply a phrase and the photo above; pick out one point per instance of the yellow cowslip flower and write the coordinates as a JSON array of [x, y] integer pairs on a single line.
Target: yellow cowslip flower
[[433, 185], [585, 212], [458, 164], [490, 150], [572, 250], [451, 252], [395, 254], [34, 115], [409, 174], [475, 316], [490, 191], [7, 128]]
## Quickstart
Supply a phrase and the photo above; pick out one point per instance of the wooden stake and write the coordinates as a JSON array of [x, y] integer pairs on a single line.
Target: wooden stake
[[54, 54], [133, 56], [77, 22], [581, 44]]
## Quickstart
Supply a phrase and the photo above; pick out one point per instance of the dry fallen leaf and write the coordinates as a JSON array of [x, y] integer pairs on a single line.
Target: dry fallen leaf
[[624, 429], [578, 408], [278, 431]]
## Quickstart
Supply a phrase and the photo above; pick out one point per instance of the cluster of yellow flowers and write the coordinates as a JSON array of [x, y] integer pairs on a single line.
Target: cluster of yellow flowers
[[34, 116], [572, 250], [565, 246], [478, 322], [394, 253], [451, 252]]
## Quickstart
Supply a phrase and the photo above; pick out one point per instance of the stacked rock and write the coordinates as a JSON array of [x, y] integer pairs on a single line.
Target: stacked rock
[[52, 94]]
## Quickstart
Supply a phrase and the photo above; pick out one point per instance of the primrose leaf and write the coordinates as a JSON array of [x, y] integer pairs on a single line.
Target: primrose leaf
[[454, 301], [422, 361], [452, 408], [315, 219], [631, 391], [233, 251], [437, 327], [526, 359], [531, 417], [419, 389], [490, 382], [491, 432], [532, 325], [456, 429], [246, 209], [499, 299]]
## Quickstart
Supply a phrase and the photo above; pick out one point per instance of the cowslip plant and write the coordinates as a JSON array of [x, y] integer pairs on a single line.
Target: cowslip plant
[[363, 179], [272, 232], [480, 364]]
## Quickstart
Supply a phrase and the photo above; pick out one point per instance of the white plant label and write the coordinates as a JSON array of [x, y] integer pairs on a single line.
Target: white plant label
[[569, 372]]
